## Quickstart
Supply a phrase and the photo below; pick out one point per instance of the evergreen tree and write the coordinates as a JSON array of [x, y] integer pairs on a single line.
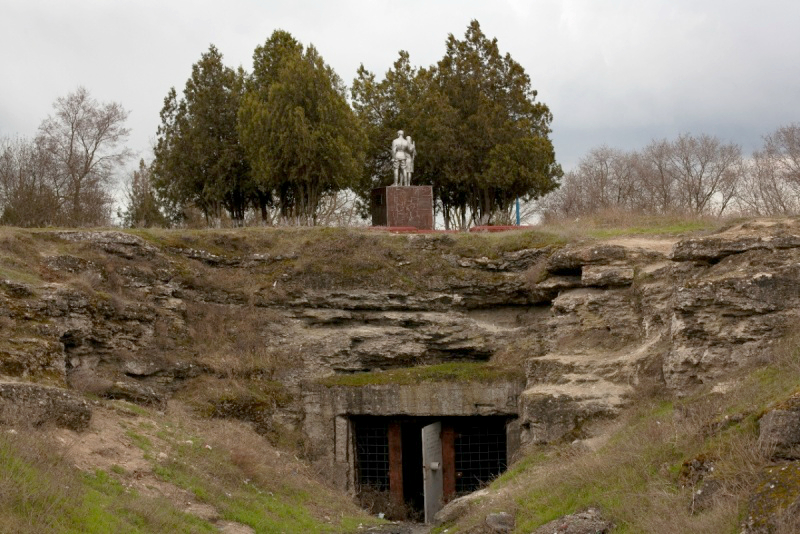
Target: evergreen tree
[[142, 206], [300, 135], [483, 139], [198, 158]]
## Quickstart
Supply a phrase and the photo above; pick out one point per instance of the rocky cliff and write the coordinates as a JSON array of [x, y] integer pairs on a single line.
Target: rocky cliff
[[142, 317], [240, 323]]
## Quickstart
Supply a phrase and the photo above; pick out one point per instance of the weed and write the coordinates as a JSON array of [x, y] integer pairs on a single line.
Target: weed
[[444, 372], [143, 442]]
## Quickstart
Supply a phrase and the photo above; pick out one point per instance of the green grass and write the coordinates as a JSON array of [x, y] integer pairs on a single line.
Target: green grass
[[40, 492], [141, 441], [20, 275], [492, 245], [613, 224], [635, 477], [239, 485], [444, 372]]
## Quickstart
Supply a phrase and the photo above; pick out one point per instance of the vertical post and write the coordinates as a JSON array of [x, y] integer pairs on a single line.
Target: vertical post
[[517, 211], [449, 461], [396, 463]]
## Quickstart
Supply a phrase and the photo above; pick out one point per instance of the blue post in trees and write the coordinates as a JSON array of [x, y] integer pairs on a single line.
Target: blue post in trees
[[517, 211]]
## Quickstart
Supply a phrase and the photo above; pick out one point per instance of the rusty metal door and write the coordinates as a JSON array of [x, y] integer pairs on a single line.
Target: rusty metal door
[[433, 480]]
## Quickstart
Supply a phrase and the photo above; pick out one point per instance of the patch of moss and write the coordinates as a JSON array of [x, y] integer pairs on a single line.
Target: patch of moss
[[444, 372]]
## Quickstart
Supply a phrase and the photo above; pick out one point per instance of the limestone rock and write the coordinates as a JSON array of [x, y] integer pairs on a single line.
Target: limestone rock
[[594, 319], [726, 315], [36, 405], [586, 522], [500, 523], [779, 430], [606, 276], [715, 248], [775, 505], [118, 243], [15, 289], [572, 258], [516, 261], [32, 358]]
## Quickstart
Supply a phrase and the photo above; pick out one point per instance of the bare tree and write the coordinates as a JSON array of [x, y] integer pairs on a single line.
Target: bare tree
[[771, 182], [764, 191], [26, 198], [706, 173], [606, 178], [657, 181], [84, 139]]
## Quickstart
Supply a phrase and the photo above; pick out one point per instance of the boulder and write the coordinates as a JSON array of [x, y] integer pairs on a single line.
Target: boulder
[[779, 430], [459, 507], [775, 505], [500, 523], [23, 404], [587, 522]]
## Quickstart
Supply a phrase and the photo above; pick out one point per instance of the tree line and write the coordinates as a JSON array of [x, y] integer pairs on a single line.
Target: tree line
[[288, 143], [63, 176], [284, 139], [697, 175]]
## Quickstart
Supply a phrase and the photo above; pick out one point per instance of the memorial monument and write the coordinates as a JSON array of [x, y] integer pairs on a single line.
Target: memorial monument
[[401, 204]]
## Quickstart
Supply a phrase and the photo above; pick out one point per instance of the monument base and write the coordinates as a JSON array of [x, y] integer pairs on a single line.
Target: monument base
[[410, 206]]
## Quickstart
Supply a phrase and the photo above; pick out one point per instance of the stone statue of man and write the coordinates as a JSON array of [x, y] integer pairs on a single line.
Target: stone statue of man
[[399, 158]]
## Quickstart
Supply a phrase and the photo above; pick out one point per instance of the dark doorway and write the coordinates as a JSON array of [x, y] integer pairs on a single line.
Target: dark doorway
[[389, 463], [413, 494]]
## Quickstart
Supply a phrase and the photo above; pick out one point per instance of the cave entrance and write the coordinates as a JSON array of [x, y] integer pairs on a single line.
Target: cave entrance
[[408, 467]]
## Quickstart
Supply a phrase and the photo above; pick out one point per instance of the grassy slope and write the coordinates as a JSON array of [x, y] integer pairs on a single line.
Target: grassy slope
[[220, 464], [639, 477]]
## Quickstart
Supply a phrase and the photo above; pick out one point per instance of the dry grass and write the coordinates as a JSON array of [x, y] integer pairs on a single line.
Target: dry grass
[[616, 223], [641, 477], [235, 342]]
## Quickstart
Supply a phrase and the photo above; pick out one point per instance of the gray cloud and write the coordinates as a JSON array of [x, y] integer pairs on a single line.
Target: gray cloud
[[619, 73]]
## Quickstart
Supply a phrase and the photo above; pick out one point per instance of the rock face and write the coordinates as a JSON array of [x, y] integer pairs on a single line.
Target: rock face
[[117, 315]]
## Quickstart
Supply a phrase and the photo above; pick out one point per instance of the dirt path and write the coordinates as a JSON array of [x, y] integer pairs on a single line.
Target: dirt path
[[114, 442]]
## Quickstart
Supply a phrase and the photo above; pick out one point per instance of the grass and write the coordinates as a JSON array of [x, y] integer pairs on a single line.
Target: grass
[[639, 476], [40, 492], [444, 372], [611, 224], [253, 484]]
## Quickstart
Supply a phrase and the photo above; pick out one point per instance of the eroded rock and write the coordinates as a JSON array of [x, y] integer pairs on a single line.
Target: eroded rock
[[587, 522], [23, 404], [779, 430]]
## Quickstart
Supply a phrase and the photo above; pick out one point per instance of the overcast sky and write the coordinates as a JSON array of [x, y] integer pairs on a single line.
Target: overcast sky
[[619, 73]]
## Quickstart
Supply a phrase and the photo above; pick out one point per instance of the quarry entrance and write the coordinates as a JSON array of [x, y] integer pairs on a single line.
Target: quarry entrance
[[407, 449], [422, 462]]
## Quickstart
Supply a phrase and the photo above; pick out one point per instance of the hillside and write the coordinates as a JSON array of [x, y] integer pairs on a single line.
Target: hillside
[[225, 380]]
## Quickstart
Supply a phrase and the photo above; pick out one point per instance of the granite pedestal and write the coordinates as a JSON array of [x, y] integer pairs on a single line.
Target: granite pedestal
[[403, 206]]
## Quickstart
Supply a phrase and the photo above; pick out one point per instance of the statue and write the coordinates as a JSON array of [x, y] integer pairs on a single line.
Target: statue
[[399, 147], [411, 153]]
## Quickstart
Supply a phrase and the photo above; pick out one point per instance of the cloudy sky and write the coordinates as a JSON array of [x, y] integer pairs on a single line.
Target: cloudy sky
[[619, 72]]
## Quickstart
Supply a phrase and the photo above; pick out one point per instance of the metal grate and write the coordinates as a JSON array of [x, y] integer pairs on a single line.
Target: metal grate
[[480, 455], [372, 449]]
